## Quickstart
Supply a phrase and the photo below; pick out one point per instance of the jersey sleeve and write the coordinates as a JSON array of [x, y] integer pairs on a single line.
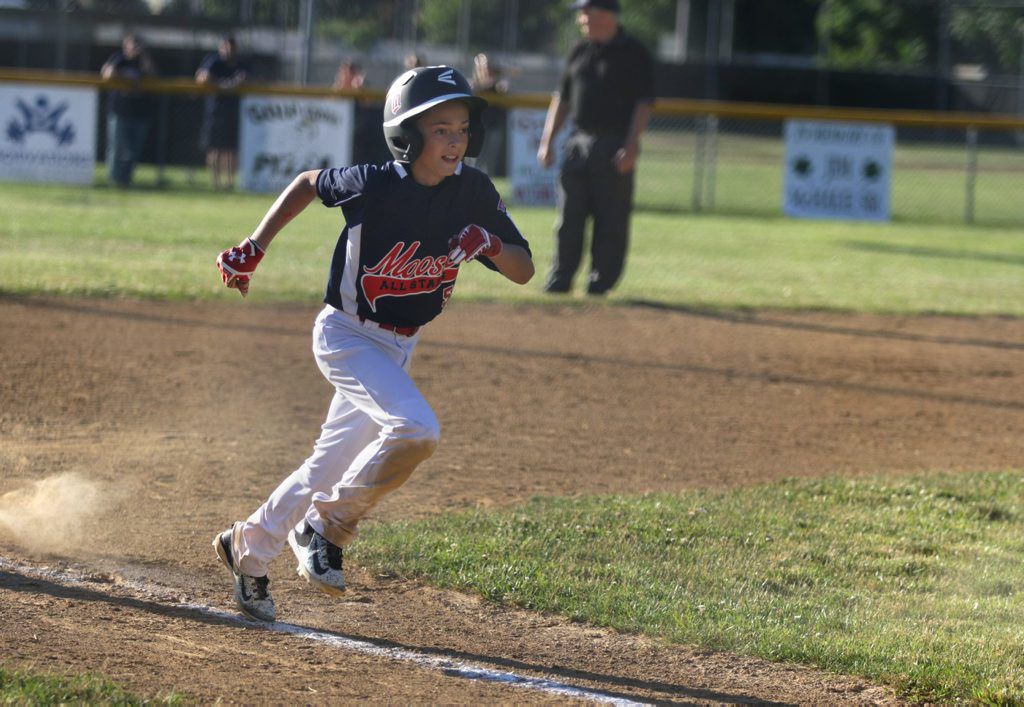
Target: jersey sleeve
[[337, 186], [565, 83], [644, 86], [493, 216], [208, 61]]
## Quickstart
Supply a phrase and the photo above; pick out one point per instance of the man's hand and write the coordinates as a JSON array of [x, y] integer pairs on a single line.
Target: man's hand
[[237, 265], [625, 159], [471, 242], [545, 156]]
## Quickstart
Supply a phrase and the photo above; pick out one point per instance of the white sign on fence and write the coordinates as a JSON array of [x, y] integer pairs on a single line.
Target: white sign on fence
[[48, 134], [280, 136], [531, 184], [838, 170]]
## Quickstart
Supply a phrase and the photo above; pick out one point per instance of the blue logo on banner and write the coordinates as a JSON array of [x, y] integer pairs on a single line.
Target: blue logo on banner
[[41, 117]]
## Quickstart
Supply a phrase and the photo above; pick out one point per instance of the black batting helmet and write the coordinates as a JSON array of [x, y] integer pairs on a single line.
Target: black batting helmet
[[417, 91]]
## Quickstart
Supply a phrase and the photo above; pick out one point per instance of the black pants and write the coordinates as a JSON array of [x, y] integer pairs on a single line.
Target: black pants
[[590, 186]]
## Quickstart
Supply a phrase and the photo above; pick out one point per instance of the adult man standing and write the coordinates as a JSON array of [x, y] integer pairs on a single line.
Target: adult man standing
[[130, 109], [607, 90], [219, 132]]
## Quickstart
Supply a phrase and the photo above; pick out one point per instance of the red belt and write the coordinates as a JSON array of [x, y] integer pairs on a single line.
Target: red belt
[[401, 330]]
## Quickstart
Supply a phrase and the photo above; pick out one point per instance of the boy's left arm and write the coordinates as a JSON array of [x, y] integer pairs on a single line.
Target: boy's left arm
[[503, 247], [515, 263], [510, 259]]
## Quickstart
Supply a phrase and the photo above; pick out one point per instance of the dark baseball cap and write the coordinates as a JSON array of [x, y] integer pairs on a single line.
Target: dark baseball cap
[[610, 5]]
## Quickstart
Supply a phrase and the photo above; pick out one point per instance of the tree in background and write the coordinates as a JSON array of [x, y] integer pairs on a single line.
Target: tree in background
[[851, 34], [647, 20], [358, 23], [866, 34], [991, 36], [540, 26]]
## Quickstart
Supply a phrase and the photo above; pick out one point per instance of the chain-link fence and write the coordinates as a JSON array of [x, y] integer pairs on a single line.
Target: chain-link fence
[[711, 164], [697, 157]]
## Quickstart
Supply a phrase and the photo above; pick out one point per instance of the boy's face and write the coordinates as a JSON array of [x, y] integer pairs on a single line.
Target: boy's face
[[445, 131]]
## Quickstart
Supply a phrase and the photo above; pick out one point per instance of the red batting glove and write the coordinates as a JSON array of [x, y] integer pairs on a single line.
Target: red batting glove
[[237, 264], [471, 242]]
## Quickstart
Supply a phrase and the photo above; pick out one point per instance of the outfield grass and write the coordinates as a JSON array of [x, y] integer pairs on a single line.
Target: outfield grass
[[915, 582], [929, 181], [161, 244], [22, 687]]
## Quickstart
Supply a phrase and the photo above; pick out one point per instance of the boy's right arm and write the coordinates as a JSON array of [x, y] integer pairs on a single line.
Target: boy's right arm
[[237, 272]]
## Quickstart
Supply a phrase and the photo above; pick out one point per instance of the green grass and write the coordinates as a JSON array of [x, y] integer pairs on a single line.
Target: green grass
[[104, 242], [914, 582], [928, 185], [30, 687]]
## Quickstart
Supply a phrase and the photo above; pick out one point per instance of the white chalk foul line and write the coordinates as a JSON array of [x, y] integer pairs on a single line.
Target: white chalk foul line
[[448, 666]]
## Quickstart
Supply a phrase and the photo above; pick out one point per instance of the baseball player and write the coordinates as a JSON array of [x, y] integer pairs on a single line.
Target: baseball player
[[410, 226]]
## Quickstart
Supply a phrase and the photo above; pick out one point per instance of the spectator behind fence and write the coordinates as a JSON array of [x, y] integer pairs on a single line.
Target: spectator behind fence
[[349, 76], [414, 61], [219, 134], [607, 90], [130, 110], [368, 146], [488, 80]]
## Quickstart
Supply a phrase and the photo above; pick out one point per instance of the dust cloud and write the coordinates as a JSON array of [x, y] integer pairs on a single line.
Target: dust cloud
[[51, 515]]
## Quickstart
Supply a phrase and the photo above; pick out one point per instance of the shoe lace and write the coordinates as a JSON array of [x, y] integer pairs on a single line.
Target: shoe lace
[[261, 587], [331, 553]]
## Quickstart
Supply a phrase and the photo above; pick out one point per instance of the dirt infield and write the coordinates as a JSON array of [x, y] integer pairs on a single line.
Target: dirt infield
[[130, 432]]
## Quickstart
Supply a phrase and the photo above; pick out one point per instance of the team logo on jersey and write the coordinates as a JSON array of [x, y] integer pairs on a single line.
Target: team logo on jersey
[[501, 206], [399, 274], [447, 77]]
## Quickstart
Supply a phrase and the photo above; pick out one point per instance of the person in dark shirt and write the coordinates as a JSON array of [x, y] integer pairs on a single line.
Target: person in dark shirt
[[130, 110], [607, 91], [411, 225], [367, 142], [488, 79], [219, 134]]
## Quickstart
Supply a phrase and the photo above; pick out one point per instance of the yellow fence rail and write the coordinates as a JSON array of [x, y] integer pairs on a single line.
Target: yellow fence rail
[[947, 166]]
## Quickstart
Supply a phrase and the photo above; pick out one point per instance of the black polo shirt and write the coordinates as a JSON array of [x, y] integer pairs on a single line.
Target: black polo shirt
[[602, 83], [129, 103]]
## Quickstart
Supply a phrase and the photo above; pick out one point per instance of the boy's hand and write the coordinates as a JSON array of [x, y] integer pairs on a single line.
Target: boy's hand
[[237, 265], [471, 242]]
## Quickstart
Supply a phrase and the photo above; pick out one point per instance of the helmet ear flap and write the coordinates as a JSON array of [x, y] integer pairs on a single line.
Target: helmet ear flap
[[406, 143], [476, 135]]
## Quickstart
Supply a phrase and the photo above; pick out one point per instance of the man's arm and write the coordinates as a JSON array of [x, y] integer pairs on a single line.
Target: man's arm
[[626, 157], [109, 67], [557, 112], [203, 72]]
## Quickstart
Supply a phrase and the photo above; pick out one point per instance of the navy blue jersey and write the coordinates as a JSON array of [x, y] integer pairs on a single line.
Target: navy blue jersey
[[391, 261]]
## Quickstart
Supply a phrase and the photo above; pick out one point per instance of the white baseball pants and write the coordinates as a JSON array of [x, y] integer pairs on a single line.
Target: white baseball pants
[[379, 428]]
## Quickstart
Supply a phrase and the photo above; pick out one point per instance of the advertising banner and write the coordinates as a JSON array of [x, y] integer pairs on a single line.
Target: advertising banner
[[280, 136], [532, 184], [49, 133], [838, 170]]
